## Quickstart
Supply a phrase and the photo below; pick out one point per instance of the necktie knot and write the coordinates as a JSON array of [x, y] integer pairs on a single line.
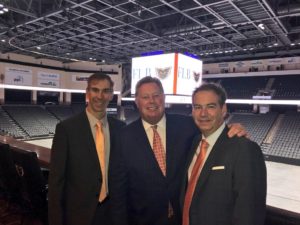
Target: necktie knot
[[99, 125], [204, 145], [154, 127]]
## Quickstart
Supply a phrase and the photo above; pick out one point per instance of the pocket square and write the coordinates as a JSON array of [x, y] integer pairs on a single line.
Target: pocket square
[[218, 168]]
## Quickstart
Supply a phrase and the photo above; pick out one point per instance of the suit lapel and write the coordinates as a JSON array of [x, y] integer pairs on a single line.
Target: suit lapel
[[206, 170], [170, 146], [194, 147], [87, 137]]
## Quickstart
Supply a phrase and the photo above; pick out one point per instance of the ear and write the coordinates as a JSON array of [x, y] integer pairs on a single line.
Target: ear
[[111, 96], [224, 110], [136, 102]]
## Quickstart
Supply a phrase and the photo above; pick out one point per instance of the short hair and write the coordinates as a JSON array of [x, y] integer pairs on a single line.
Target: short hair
[[216, 88], [147, 80], [99, 76]]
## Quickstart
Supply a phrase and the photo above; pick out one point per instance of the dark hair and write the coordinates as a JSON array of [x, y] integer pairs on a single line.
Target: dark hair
[[99, 76], [147, 80], [216, 88]]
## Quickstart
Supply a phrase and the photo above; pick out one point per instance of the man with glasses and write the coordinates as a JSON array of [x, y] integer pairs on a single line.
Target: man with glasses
[[78, 182]]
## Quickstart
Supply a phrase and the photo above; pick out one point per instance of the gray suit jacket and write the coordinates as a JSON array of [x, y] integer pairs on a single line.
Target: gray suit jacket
[[75, 178], [235, 195]]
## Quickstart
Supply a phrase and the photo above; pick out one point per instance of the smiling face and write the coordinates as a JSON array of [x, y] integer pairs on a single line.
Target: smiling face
[[99, 93], [150, 101], [208, 113]]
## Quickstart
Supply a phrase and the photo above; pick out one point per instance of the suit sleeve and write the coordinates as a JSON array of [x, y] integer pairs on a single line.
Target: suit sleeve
[[118, 185], [249, 186], [57, 176]]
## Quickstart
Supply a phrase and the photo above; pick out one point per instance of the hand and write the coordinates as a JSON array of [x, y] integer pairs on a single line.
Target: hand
[[237, 129]]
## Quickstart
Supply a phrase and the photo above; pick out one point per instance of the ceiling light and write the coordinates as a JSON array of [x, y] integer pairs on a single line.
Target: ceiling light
[[3, 9], [275, 44], [261, 26], [3, 40], [38, 47], [292, 44]]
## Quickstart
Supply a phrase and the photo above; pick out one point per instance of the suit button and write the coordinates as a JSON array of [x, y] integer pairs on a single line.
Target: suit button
[[97, 195]]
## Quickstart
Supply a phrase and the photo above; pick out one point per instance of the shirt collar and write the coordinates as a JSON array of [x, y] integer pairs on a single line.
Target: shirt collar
[[93, 120], [211, 139], [161, 123]]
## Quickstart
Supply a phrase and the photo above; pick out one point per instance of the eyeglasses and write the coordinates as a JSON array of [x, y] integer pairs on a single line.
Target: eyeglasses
[[104, 90]]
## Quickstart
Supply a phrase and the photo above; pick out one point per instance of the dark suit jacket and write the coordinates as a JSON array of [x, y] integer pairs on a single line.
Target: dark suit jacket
[[75, 177], [235, 195], [140, 193]]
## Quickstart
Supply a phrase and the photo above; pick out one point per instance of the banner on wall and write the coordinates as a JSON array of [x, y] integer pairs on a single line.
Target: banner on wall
[[18, 76], [275, 61], [223, 65], [240, 64], [256, 62], [292, 60], [45, 79], [80, 78]]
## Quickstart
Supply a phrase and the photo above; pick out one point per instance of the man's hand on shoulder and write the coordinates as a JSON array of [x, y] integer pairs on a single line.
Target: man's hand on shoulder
[[237, 129]]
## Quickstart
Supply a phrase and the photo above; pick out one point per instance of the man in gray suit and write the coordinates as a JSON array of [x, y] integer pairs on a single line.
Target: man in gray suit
[[225, 181], [75, 171]]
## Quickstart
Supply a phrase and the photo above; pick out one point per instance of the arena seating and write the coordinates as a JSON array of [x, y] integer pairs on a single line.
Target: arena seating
[[286, 87], [60, 112], [257, 125], [241, 87], [285, 142], [34, 120], [8, 127]]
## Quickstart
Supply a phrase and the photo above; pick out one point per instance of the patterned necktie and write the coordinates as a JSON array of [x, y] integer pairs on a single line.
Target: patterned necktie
[[158, 150], [100, 146], [160, 156], [193, 181]]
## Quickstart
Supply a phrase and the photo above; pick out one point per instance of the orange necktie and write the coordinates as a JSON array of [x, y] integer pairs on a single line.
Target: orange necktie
[[192, 182], [160, 156], [158, 150], [100, 146]]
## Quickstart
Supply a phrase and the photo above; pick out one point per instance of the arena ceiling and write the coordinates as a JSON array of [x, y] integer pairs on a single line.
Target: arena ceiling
[[113, 31]]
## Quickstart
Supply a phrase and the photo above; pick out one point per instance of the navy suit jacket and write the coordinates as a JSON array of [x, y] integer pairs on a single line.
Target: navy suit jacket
[[234, 195], [75, 177], [140, 193]]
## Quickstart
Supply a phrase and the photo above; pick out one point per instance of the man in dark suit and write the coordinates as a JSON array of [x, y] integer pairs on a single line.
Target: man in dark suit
[[143, 190], [78, 189], [228, 185]]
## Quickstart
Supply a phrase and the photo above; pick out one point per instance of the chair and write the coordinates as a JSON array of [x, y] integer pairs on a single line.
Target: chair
[[33, 184], [10, 180]]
